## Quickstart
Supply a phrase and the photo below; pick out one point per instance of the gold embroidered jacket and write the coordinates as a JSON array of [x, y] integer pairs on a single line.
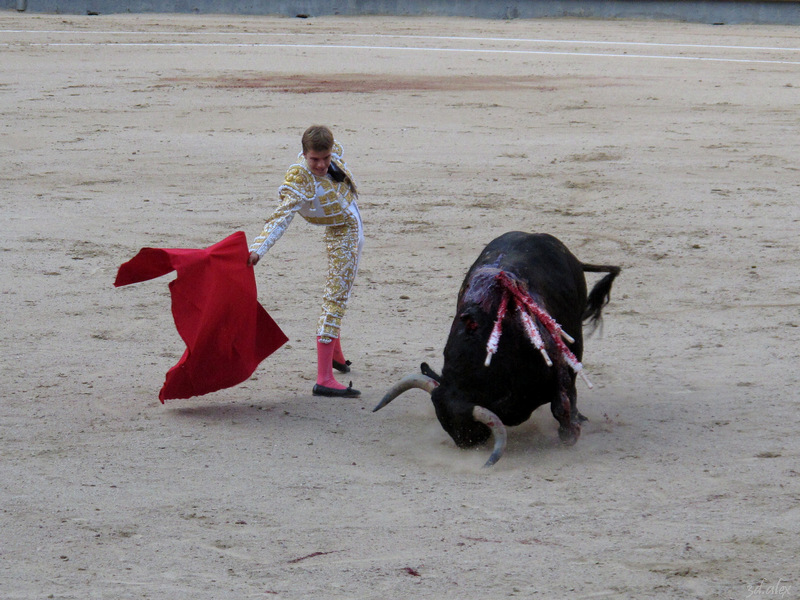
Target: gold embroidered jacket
[[319, 200]]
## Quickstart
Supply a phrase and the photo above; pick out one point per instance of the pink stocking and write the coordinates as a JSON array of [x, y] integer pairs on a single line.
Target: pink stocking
[[325, 354], [338, 355]]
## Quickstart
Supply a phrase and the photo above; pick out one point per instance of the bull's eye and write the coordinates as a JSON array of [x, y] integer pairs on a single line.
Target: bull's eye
[[469, 323]]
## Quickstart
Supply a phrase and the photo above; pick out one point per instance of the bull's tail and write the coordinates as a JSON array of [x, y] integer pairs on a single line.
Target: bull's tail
[[601, 292]]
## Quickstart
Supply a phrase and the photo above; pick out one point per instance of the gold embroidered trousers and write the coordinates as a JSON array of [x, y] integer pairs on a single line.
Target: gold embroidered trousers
[[343, 243]]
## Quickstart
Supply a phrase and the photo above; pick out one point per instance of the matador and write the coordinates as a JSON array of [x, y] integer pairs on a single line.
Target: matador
[[322, 190]]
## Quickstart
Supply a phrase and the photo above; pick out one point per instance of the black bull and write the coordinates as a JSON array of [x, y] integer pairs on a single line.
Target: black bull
[[482, 387]]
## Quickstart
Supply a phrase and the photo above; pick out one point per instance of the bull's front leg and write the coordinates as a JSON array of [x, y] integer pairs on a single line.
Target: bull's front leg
[[565, 406]]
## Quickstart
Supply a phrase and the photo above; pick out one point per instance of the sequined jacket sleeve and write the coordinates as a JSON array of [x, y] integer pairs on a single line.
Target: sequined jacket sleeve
[[297, 190]]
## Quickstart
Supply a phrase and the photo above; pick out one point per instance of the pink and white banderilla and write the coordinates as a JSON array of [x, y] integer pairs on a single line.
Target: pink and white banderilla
[[529, 311]]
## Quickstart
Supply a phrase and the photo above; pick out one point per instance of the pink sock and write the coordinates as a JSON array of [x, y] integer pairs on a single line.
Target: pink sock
[[338, 355], [325, 366]]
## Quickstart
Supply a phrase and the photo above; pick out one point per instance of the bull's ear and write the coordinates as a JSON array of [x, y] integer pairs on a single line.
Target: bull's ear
[[428, 372]]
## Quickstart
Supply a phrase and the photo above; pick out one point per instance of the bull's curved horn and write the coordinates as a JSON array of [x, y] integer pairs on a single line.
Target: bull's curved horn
[[491, 420], [415, 380]]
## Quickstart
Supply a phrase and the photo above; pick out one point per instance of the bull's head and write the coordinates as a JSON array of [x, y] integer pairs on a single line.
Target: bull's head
[[468, 424]]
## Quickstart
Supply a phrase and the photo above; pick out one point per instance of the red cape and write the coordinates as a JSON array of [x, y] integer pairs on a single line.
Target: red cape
[[217, 313]]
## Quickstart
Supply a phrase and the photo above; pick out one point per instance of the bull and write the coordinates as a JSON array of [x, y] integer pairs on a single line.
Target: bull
[[515, 343]]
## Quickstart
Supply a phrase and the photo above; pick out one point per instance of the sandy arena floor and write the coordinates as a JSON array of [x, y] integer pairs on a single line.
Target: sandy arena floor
[[669, 149]]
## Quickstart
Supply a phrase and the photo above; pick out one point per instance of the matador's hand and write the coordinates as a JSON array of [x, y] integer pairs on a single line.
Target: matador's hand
[[253, 259]]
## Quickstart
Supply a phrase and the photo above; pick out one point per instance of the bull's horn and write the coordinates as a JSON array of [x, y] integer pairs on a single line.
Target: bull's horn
[[415, 380], [488, 418]]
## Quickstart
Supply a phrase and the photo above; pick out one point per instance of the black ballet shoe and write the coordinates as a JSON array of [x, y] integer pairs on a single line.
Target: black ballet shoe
[[348, 392], [342, 367]]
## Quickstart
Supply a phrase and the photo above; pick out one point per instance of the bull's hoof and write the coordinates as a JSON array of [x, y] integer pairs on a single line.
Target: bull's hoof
[[569, 435]]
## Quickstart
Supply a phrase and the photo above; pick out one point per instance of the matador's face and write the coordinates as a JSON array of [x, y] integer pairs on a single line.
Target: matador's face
[[318, 161]]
